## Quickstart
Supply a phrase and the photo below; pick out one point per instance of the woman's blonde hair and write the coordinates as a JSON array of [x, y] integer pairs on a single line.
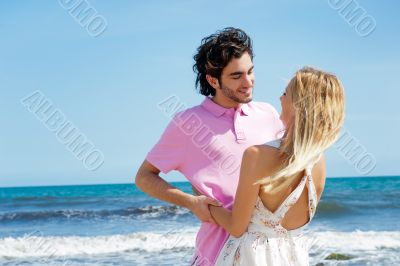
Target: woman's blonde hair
[[318, 101]]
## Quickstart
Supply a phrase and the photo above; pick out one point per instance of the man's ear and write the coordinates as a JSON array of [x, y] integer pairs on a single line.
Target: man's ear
[[212, 81]]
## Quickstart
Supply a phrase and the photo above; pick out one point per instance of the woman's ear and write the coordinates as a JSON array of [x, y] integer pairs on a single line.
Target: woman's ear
[[212, 81]]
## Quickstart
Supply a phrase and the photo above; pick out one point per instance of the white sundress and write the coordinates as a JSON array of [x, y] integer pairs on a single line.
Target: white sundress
[[266, 242]]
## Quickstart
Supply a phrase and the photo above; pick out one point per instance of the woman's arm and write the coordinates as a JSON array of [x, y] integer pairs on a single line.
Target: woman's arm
[[237, 220]]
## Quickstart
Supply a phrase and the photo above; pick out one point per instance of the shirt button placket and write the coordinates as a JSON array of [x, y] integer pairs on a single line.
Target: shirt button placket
[[240, 135]]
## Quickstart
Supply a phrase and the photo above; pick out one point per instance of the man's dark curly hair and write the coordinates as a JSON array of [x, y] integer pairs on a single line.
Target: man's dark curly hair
[[215, 52]]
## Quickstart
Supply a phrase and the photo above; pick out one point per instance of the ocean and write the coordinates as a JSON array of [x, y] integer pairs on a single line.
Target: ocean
[[357, 223]]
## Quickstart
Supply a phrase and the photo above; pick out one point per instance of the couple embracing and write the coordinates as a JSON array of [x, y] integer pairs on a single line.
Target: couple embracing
[[257, 176]]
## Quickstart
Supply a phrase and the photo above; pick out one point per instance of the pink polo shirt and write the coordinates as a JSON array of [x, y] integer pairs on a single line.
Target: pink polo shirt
[[206, 143]]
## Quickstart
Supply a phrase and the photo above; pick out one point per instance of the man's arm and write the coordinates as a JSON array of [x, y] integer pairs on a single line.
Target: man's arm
[[149, 181]]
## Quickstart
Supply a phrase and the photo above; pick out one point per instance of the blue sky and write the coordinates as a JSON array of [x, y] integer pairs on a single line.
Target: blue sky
[[109, 86]]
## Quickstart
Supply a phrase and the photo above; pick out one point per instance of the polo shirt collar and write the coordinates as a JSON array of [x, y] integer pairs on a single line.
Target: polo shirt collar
[[245, 108], [218, 110]]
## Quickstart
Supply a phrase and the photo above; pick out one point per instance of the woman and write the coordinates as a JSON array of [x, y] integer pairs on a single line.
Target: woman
[[281, 182]]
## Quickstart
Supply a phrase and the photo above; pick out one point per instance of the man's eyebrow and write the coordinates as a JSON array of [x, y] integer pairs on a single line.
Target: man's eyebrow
[[239, 72]]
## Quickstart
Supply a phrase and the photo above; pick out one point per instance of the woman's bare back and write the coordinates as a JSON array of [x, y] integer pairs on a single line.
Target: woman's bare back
[[298, 214]]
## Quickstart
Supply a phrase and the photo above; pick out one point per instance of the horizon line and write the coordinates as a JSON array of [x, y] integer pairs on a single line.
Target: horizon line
[[178, 181]]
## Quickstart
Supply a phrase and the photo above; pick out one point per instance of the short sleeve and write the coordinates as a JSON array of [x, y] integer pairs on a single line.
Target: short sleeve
[[169, 152]]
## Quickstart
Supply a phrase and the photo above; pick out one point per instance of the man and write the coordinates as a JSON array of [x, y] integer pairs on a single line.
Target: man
[[206, 142]]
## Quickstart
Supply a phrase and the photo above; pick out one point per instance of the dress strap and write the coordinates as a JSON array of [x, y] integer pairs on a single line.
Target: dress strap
[[295, 195], [312, 196], [291, 199]]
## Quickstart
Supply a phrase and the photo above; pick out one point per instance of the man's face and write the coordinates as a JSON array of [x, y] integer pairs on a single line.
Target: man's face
[[237, 80]]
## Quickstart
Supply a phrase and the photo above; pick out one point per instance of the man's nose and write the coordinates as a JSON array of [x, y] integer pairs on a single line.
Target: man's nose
[[249, 80]]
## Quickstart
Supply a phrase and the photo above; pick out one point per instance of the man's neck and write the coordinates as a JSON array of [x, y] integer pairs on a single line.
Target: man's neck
[[226, 103]]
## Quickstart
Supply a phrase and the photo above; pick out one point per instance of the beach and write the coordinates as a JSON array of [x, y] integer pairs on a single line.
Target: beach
[[357, 223]]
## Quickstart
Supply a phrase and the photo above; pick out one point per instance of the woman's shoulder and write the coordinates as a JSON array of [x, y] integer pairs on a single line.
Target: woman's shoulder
[[265, 159], [262, 152]]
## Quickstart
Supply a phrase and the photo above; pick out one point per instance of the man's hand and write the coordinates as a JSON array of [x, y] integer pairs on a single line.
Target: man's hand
[[199, 207]]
